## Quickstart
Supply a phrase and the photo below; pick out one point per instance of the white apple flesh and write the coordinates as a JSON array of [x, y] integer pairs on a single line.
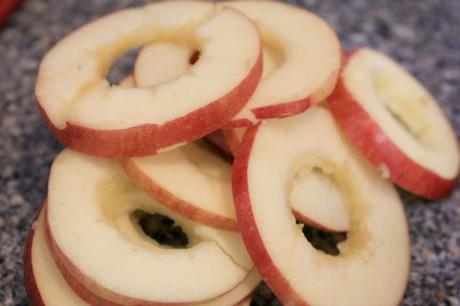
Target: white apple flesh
[[89, 115], [304, 63], [373, 265], [395, 122], [96, 242]]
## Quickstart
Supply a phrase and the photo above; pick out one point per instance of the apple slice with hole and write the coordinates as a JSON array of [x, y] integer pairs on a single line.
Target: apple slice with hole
[[395, 122], [91, 116], [301, 66], [373, 265], [47, 287], [195, 182], [45, 284], [96, 232]]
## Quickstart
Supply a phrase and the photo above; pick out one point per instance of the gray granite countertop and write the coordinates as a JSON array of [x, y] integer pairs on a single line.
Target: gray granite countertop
[[423, 35]]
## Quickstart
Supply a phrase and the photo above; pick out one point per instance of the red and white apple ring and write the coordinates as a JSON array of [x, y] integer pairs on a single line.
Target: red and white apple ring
[[395, 122], [47, 287], [373, 265], [195, 182], [98, 247], [45, 284], [89, 115], [300, 66]]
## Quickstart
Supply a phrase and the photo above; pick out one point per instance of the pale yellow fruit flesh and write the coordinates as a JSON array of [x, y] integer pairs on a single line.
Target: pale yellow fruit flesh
[[91, 224]]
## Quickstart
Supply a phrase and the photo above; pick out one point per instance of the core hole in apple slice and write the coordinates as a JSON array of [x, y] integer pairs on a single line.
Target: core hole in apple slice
[[300, 67], [395, 122], [90, 116], [95, 237], [372, 266], [161, 228], [122, 67]]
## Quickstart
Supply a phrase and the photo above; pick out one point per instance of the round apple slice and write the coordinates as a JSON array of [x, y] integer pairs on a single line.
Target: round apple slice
[[395, 122], [195, 182], [95, 232], [301, 66], [373, 265], [91, 116], [47, 287], [44, 283]]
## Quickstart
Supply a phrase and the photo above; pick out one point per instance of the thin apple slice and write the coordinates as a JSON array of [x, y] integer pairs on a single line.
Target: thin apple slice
[[195, 182], [89, 115], [47, 287], [301, 66], [44, 283], [395, 122], [373, 265], [94, 238]]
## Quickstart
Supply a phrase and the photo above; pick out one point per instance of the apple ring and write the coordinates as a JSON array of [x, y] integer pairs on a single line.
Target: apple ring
[[91, 116], [376, 254], [97, 216]]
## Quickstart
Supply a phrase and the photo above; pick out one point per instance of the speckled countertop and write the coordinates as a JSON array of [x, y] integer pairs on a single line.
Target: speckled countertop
[[423, 35]]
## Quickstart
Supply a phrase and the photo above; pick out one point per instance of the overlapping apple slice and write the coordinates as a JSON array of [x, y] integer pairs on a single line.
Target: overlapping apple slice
[[393, 120], [47, 287], [93, 234], [300, 67], [373, 265], [89, 115]]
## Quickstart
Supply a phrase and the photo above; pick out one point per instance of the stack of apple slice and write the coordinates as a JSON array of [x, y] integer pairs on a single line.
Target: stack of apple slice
[[142, 210]]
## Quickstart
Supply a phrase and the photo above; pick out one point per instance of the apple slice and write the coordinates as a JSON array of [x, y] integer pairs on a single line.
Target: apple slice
[[301, 66], [44, 283], [89, 115], [394, 121], [373, 265], [47, 287], [195, 182], [94, 238]]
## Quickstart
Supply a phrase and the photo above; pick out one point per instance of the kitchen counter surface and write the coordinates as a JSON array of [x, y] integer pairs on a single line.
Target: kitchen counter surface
[[423, 35]]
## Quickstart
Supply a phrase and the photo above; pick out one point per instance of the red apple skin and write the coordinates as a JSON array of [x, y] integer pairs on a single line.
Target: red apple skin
[[282, 110], [147, 139], [7, 7], [182, 207], [33, 293], [359, 127], [248, 227]]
